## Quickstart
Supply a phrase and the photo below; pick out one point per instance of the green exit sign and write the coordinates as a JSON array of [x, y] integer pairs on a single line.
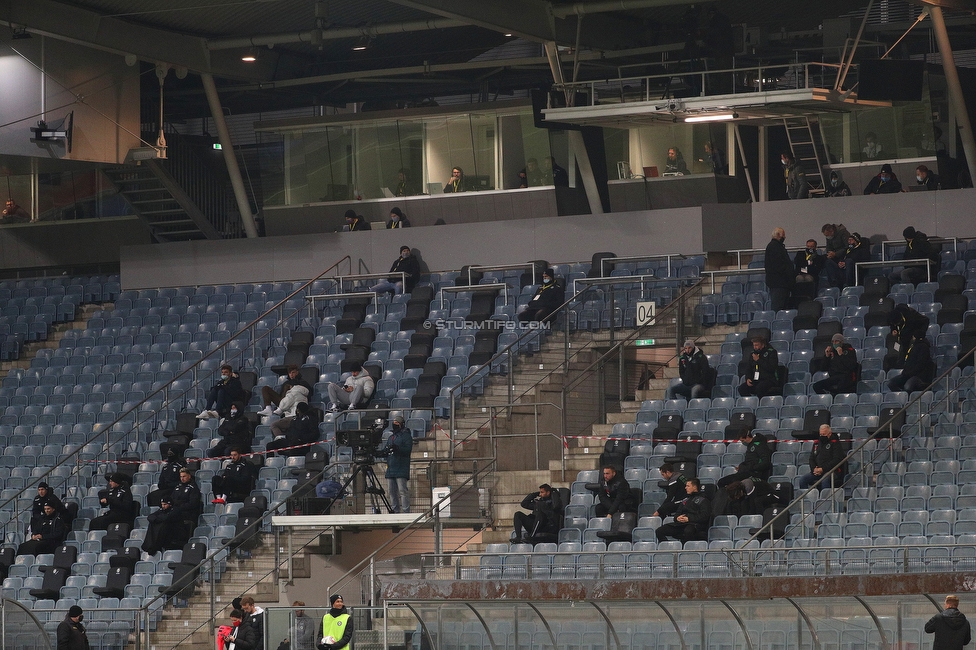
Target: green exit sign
[[217, 146], [643, 343]]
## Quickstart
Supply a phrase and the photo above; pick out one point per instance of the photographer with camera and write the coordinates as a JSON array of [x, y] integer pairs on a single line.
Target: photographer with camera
[[397, 450], [546, 518]]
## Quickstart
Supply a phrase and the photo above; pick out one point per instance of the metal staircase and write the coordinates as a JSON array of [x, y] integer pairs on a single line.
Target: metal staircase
[[161, 203], [808, 149]]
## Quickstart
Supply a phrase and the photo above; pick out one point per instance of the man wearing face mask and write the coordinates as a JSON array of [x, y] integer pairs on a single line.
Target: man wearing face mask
[[807, 264], [884, 183], [397, 220], [241, 637], [405, 263], [858, 250], [398, 449], [234, 482], [227, 390], [548, 297], [837, 186], [71, 633], [796, 181], [779, 271], [169, 478], [925, 178], [842, 368], [234, 431]]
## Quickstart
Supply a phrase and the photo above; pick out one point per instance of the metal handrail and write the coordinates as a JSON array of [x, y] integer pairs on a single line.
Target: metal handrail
[[645, 81], [882, 263], [641, 258], [890, 243], [882, 433]]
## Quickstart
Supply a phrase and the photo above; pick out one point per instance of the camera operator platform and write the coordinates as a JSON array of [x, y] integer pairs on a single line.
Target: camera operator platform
[[364, 443]]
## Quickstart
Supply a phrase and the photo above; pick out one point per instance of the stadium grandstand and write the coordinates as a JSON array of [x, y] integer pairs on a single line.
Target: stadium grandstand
[[576, 202]]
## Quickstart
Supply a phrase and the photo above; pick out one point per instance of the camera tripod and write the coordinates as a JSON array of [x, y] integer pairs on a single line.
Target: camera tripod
[[375, 491]]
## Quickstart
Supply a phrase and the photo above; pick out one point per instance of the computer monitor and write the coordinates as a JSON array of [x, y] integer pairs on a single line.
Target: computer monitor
[[478, 183], [435, 188], [651, 172]]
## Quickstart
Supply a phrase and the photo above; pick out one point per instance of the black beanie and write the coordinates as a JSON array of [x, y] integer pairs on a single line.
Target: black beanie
[[908, 233], [334, 598], [74, 610]]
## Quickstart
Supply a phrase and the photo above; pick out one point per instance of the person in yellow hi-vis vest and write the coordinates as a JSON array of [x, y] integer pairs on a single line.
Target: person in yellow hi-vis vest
[[336, 626]]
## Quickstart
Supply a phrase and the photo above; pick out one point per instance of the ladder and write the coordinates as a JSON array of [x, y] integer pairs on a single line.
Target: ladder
[[808, 149]]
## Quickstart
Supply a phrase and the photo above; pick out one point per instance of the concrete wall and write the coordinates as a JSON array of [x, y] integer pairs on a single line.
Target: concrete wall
[[50, 244], [106, 124], [556, 239], [946, 213]]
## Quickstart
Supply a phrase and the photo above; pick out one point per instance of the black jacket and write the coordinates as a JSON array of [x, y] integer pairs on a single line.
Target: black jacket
[[120, 501], [918, 361], [402, 222], [694, 369], [187, 501], [698, 510], [779, 266], [951, 630], [919, 248], [547, 297], [842, 189], [303, 430], [859, 253], [909, 323], [931, 182], [675, 496], [411, 267], [72, 636], [875, 186], [615, 495], [169, 475], [51, 529], [767, 366], [245, 638], [758, 458], [827, 455], [255, 621], [236, 432], [843, 365], [548, 511], [811, 265], [239, 477], [233, 388]]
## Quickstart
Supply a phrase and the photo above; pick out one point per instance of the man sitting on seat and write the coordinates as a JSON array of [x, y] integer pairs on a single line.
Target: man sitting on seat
[[826, 457], [354, 392], [613, 493], [548, 297], [300, 431], [225, 392], [757, 463], [234, 483], [918, 369], [692, 517], [842, 368], [675, 491], [694, 371], [271, 397], [762, 379], [546, 518]]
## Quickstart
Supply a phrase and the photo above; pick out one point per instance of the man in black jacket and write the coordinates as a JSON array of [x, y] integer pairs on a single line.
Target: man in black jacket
[[674, 490], [225, 392], [71, 633], [918, 369], [835, 250], [950, 627], [917, 247], [694, 371], [118, 500], [762, 370], [47, 532], [827, 456], [858, 250], [906, 325], [234, 483], [234, 432], [397, 284], [807, 266], [842, 368], [169, 478], [546, 518], [548, 297], [303, 430], [44, 497], [692, 517], [886, 182], [613, 494], [757, 463], [779, 271], [242, 636]]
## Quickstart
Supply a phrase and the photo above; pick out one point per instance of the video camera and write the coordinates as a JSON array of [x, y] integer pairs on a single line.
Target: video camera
[[364, 442]]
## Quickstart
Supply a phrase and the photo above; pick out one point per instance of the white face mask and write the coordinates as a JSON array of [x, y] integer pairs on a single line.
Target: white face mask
[[919, 179]]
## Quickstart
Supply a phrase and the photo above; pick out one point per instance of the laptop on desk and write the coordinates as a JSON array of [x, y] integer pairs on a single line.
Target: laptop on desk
[[435, 188], [387, 193], [651, 172]]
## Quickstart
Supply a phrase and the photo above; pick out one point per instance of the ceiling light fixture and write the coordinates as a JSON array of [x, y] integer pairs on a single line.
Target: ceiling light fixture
[[711, 117], [363, 43], [250, 57]]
